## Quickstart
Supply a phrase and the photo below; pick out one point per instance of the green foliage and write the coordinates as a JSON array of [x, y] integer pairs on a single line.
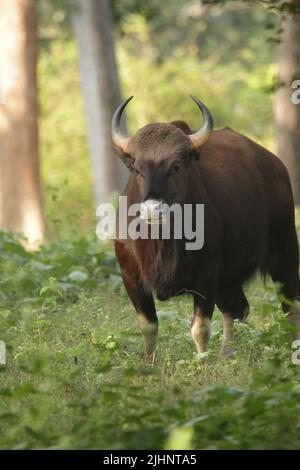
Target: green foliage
[[226, 60], [75, 377], [66, 170], [54, 20], [56, 273], [237, 99], [121, 9], [279, 6]]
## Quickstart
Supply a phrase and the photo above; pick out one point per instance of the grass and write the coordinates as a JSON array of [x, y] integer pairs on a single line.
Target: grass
[[75, 375]]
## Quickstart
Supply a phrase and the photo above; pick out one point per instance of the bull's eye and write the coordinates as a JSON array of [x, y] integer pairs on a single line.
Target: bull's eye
[[176, 168]]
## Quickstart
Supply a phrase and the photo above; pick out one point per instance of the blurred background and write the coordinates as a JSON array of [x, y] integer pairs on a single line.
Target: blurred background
[[74, 377], [66, 64]]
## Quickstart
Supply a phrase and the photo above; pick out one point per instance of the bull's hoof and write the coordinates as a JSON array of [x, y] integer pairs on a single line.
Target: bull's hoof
[[227, 351], [150, 358]]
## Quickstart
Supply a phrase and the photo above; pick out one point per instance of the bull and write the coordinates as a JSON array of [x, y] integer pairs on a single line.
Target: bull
[[249, 224]]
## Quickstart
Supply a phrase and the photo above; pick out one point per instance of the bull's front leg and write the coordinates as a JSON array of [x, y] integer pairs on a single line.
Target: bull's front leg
[[141, 298], [201, 322], [146, 314], [204, 304]]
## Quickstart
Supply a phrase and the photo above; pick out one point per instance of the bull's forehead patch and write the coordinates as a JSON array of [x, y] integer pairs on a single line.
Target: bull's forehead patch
[[160, 141], [167, 132]]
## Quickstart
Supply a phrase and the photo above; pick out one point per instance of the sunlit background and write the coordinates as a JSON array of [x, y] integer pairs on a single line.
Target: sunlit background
[[223, 52]]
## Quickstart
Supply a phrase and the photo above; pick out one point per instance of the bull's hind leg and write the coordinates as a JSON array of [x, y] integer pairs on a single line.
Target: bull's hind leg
[[283, 267], [143, 302], [233, 305]]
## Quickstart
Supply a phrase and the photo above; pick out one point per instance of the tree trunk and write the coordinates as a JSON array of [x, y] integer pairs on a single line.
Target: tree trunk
[[93, 30], [20, 194], [287, 113]]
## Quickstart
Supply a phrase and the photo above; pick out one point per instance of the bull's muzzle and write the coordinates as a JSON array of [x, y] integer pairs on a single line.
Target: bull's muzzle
[[154, 211]]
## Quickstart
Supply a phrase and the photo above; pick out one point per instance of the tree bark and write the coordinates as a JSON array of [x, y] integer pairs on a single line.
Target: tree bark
[[20, 193], [93, 30], [287, 113]]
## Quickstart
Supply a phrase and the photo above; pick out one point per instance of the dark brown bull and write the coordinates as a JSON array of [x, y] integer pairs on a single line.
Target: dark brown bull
[[249, 223]]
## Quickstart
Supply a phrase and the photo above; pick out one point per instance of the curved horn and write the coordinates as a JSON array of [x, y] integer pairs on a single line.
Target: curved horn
[[200, 137], [120, 139]]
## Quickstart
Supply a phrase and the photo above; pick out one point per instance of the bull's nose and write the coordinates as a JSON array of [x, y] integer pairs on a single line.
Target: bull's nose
[[152, 204], [152, 210]]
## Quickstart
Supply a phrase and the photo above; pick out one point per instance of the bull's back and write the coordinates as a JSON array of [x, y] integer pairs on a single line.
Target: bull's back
[[250, 190]]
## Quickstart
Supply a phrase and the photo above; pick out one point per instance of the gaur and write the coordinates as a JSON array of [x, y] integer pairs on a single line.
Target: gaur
[[249, 223]]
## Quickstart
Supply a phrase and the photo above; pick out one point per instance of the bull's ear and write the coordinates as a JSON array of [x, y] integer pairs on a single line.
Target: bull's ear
[[127, 159]]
